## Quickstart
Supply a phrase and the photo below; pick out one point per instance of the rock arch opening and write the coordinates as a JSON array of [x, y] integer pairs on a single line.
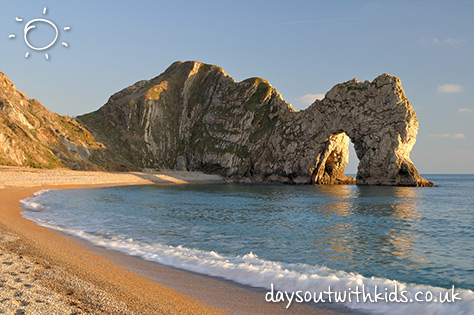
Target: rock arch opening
[[331, 165], [351, 167]]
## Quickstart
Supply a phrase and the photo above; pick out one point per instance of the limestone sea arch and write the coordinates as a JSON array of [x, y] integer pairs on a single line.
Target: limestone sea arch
[[194, 116], [376, 116]]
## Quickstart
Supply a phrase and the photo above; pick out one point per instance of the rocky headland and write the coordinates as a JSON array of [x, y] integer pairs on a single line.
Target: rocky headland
[[195, 117]]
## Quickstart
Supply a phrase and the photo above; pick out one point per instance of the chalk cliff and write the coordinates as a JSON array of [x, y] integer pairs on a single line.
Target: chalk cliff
[[31, 135], [196, 117]]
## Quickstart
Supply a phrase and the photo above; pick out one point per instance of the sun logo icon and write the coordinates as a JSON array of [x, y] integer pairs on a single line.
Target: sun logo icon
[[31, 25]]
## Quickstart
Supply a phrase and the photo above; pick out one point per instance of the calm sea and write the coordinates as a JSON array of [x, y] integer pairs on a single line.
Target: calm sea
[[296, 237]]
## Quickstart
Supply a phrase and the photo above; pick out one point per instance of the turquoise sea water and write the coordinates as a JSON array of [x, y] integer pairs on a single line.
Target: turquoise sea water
[[298, 237]]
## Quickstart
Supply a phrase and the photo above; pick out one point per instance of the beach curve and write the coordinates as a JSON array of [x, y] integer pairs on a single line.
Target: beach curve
[[45, 270]]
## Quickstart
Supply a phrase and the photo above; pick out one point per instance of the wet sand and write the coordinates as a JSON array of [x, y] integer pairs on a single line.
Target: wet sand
[[46, 272]]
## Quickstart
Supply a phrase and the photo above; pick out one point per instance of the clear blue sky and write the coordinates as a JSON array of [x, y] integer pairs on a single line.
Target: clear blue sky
[[300, 47]]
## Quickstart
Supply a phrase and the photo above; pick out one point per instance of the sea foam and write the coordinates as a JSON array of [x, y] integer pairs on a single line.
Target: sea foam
[[31, 204]]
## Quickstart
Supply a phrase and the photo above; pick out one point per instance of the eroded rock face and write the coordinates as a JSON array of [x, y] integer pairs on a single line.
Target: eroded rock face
[[196, 117], [378, 119], [31, 135]]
